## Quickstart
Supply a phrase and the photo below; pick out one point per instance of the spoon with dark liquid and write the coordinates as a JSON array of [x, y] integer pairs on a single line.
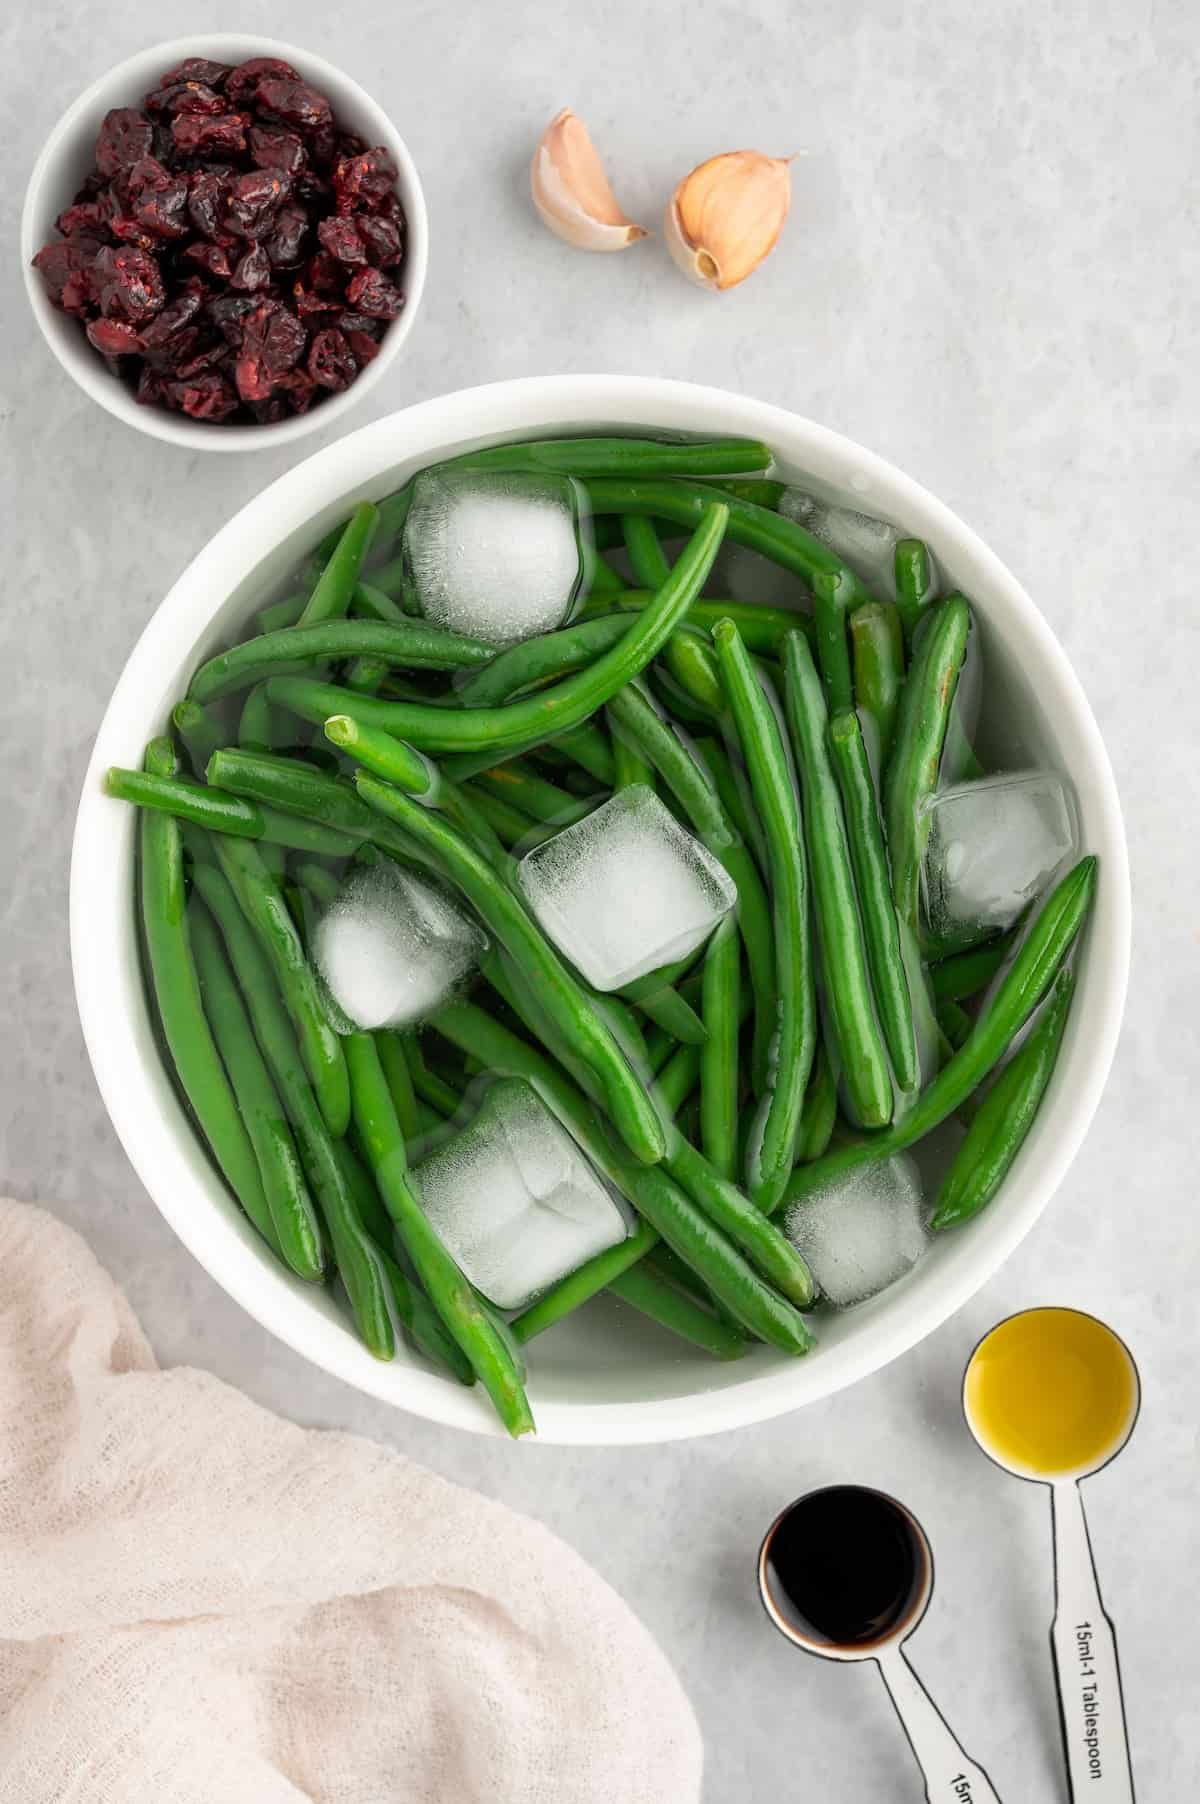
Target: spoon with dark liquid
[[847, 1573]]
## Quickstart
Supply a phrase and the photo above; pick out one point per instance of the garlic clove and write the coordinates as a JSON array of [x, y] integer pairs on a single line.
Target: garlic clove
[[571, 191], [726, 216]]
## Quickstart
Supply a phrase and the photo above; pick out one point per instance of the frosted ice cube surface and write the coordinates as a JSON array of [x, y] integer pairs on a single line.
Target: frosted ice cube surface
[[493, 554], [993, 846], [391, 948], [868, 545], [861, 1232], [626, 889], [514, 1199]]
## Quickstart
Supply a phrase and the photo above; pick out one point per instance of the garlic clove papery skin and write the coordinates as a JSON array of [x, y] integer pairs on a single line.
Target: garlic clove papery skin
[[571, 191], [726, 216]]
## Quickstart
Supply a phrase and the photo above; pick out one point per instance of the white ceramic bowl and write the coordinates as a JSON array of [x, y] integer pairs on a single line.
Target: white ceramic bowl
[[68, 156], [588, 1383]]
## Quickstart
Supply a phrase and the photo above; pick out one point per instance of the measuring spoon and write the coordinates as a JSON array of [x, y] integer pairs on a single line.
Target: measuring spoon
[[1052, 1395], [846, 1573]]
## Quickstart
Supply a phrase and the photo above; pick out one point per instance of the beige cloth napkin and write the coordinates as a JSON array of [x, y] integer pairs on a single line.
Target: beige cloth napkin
[[203, 1604]]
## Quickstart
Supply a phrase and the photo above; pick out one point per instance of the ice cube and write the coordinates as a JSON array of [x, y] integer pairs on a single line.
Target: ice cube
[[992, 847], [391, 948], [862, 1231], [868, 545], [515, 1201], [493, 554], [626, 889]]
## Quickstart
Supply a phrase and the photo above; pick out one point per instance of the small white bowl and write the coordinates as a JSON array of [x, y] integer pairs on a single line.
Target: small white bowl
[[593, 1379], [68, 156]]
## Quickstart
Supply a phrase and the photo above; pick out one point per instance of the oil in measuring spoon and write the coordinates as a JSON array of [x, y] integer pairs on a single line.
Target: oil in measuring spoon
[[846, 1567], [1051, 1392]]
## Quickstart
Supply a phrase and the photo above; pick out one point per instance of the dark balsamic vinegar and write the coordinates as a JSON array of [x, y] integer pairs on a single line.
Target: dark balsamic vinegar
[[845, 1566]]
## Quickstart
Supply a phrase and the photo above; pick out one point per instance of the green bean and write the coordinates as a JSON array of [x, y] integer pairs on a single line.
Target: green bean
[[881, 928], [258, 724], [966, 973], [505, 917], [180, 1008], [356, 1257], [515, 782], [366, 675], [622, 456], [916, 584], [719, 1054], [371, 603], [820, 1111], [632, 769], [415, 645], [833, 599], [533, 662], [773, 1142], [265, 909], [320, 883], [849, 1012], [297, 1233], [598, 578], [587, 746], [586, 1281], [784, 541], [432, 1090], [733, 787], [335, 585], [462, 1312], [658, 999], [657, 1198], [390, 1047], [545, 715], [224, 812], [762, 628], [393, 512], [1018, 993], [388, 580], [954, 1022], [912, 772], [997, 1133], [689, 657], [280, 614], [877, 644], [693, 787], [511, 827], [647, 559], [200, 732], [676, 1312]]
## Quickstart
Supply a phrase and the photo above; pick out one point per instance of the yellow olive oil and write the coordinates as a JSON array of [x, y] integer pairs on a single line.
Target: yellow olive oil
[[1051, 1392]]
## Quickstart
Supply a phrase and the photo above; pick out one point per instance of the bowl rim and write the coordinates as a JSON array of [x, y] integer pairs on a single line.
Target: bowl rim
[[85, 366], [184, 1188]]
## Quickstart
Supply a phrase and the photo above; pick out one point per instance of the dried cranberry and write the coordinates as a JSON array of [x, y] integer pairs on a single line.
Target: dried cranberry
[[254, 200], [274, 147], [185, 97], [363, 181], [364, 347], [209, 358], [212, 258], [308, 302], [90, 216], [150, 391], [285, 246], [228, 312], [124, 136], [270, 411], [371, 292], [127, 283], [300, 389], [245, 78], [340, 238], [313, 189], [196, 132], [252, 270], [331, 361], [131, 231], [208, 396], [158, 199], [294, 102], [163, 337], [207, 194], [175, 353], [196, 68], [382, 238], [322, 146], [114, 337]]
